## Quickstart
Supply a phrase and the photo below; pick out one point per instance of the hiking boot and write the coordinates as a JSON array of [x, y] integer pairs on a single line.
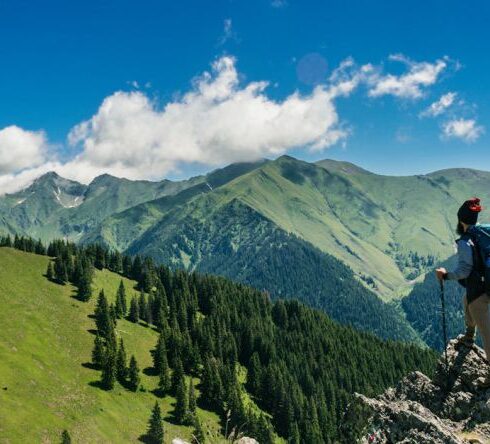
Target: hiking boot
[[468, 339]]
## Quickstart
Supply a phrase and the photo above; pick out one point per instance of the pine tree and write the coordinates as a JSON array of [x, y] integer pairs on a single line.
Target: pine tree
[[198, 436], [155, 431], [60, 271], [50, 271], [103, 318], [108, 377], [65, 437], [121, 369], [143, 307], [121, 308], [160, 353], [133, 374], [181, 405], [98, 352], [177, 376], [134, 313], [294, 437], [192, 398], [84, 284]]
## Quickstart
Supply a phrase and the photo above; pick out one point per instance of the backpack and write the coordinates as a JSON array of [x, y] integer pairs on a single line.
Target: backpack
[[480, 235]]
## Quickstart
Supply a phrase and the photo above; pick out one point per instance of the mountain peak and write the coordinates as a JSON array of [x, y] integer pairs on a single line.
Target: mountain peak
[[50, 175], [339, 166]]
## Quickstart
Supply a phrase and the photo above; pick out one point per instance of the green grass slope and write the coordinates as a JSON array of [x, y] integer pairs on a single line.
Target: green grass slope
[[44, 340]]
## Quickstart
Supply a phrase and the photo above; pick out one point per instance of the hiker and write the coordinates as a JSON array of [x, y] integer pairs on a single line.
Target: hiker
[[469, 274]]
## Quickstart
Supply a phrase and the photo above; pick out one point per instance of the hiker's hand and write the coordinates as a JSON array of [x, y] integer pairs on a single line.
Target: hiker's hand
[[440, 273]]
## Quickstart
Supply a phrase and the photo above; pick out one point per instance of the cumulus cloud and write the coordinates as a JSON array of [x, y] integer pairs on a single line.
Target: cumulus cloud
[[440, 106], [412, 83], [218, 121], [20, 149], [465, 129]]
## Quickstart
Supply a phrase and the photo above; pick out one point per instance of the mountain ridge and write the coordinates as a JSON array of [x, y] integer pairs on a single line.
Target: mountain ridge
[[389, 230]]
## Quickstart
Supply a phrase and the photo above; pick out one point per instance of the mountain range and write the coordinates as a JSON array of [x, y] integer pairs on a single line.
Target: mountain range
[[330, 233]]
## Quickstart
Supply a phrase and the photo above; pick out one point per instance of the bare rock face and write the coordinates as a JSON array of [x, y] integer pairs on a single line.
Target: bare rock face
[[450, 409], [246, 440]]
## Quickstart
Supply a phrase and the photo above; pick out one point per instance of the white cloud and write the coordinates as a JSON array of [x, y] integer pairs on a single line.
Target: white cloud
[[217, 122], [464, 129], [440, 106], [20, 149], [409, 85]]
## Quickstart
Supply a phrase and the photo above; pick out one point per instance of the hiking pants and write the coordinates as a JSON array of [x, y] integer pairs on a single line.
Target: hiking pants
[[477, 314]]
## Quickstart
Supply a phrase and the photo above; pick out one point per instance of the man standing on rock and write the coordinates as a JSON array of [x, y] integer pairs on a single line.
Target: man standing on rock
[[469, 274]]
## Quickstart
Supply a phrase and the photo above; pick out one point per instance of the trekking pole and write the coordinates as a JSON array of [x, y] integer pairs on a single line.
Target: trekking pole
[[444, 330]]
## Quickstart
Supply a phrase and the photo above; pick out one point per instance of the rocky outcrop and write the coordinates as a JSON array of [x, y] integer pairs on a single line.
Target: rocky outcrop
[[449, 409], [243, 440]]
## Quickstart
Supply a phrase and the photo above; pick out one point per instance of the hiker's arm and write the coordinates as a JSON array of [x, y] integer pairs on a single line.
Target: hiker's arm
[[465, 262]]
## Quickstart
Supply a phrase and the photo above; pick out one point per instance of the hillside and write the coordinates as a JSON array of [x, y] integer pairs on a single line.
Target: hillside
[[332, 221], [382, 227], [237, 242], [44, 344], [215, 328]]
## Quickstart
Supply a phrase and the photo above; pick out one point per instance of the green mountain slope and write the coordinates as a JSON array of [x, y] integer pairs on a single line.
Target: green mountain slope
[[121, 229], [44, 340], [238, 242], [390, 229], [297, 365]]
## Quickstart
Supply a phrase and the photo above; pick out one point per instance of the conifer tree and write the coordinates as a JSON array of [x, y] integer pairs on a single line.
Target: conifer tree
[[155, 433], [65, 437], [294, 436], [98, 352], [121, 361], [198, 436], [103, 318], [50, 271], [142, 307], [177, 376], [164, 380], [133, 374], [60, 272], [160, 353], [84, 284], [121, 308], [181, 405], [108, 377], [192, 398], [134, 313]]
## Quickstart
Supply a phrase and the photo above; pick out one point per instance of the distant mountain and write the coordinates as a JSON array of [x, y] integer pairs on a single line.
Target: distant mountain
[[329, 233], [55, 207], [389, 230]]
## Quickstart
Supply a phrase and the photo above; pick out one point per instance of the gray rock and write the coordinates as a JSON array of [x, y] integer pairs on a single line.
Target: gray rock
[[246, 440], [445, 410]]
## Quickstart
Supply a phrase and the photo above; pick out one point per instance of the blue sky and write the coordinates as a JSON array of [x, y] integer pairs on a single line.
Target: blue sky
[[61, 60]]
